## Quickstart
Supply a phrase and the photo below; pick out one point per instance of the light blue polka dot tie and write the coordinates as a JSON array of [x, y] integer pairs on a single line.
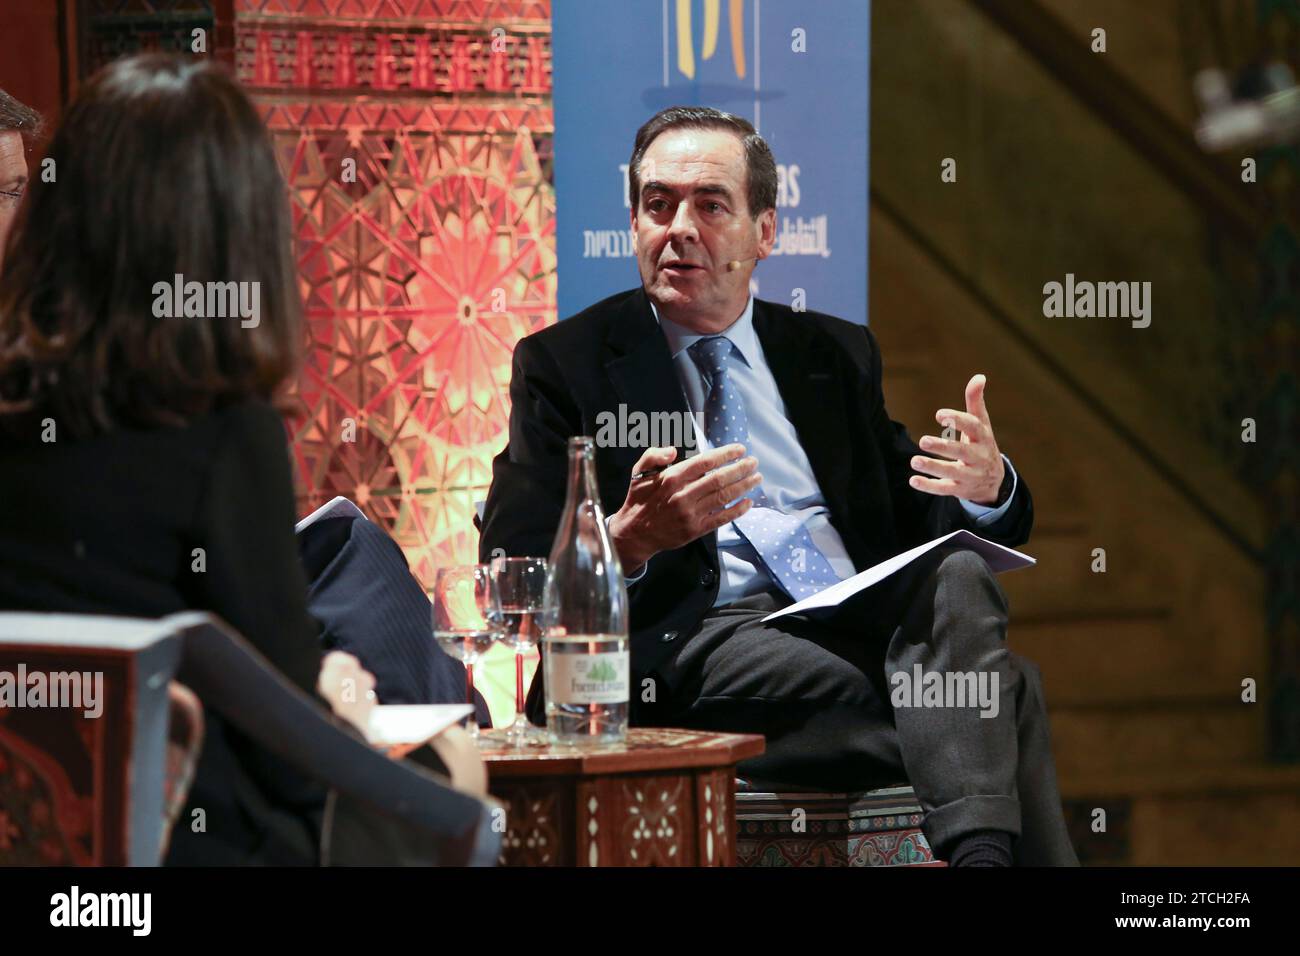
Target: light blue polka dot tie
[[782, 542]]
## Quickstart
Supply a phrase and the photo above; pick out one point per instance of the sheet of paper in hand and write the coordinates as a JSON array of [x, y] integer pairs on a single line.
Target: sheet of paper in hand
[[999, 559], [339, 507], [394, 724]]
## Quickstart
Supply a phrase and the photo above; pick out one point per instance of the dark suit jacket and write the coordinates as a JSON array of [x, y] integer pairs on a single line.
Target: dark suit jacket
[[829, 374]]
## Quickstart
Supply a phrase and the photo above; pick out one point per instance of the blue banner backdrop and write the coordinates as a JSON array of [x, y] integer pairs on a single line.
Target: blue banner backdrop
[[798, 71]]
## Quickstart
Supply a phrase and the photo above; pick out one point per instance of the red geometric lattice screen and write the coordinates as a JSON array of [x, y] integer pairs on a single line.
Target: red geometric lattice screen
[[416, 139]]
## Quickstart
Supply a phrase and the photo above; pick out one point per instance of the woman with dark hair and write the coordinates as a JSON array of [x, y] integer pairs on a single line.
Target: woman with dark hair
[[144, 468]]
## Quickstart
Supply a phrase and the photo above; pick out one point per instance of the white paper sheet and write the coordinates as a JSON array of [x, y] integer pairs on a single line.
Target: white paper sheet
[[395, 724], [999, 559], [339, 507]]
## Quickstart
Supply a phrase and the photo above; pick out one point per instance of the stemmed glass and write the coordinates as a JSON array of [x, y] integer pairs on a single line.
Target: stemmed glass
[[466, 623], [518, 586]]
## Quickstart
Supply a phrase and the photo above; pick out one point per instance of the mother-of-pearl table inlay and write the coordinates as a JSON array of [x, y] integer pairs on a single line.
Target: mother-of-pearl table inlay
[[665, 797]]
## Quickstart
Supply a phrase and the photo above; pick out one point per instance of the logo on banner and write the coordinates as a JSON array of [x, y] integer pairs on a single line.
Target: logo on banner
[[712, 13]]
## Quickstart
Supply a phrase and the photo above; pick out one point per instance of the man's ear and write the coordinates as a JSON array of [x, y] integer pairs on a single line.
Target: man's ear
[[765, 228]]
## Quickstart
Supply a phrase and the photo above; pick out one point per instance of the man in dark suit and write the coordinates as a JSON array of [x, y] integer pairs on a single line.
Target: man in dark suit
[[711, 545]]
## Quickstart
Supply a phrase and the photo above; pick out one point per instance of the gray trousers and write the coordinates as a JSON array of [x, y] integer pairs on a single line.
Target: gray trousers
[[820, 690]]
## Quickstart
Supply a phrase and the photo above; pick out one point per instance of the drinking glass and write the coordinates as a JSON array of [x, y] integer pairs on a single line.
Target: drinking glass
[[519, 585], [466, 623]]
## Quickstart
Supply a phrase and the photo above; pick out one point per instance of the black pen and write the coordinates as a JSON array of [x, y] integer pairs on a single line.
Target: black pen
[[638, 475]]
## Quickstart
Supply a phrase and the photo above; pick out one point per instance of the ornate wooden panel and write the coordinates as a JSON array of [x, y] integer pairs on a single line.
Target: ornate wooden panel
[[663, 798], [65, 777], [714, 798]]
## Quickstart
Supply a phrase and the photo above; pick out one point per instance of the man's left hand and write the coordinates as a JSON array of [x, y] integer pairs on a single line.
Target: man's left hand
[[976, 469]]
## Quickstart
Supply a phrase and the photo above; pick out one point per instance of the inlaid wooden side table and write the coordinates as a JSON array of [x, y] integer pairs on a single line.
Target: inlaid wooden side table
[[666, 797]]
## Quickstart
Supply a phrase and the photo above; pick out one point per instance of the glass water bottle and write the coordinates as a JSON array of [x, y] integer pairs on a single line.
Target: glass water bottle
[[585, 642]]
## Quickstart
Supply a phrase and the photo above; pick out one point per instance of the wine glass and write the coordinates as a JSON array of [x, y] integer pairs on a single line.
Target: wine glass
[[465, 623], [519, 585]]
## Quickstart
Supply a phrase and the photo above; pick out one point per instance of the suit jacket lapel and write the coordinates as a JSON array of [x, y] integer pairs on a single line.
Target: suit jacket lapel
[[639, 364], [640, 368], [804, 366]]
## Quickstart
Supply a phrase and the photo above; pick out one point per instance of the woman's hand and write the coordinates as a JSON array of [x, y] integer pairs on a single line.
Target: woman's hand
[[348, 688], [457, 750], [350, 691]]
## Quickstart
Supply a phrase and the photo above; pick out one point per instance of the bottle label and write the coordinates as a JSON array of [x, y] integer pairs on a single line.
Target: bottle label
[[588, 678]]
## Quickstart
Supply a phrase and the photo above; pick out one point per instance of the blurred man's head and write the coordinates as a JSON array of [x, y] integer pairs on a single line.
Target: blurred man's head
[[703, 194], [18, 124]]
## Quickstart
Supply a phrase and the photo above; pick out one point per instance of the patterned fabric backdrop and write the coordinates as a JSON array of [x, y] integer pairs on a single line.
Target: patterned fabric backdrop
[[416, 138]]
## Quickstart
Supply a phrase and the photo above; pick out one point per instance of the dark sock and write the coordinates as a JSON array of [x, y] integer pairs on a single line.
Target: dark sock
[[981, 848]]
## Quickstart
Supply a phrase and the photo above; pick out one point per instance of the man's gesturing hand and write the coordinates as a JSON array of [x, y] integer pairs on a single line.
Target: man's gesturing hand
[[976, 469], [681, 503]]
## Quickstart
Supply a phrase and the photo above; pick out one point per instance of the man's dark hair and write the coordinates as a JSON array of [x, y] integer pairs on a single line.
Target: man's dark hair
[[17, 117], [760, 167], [164, 168]]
